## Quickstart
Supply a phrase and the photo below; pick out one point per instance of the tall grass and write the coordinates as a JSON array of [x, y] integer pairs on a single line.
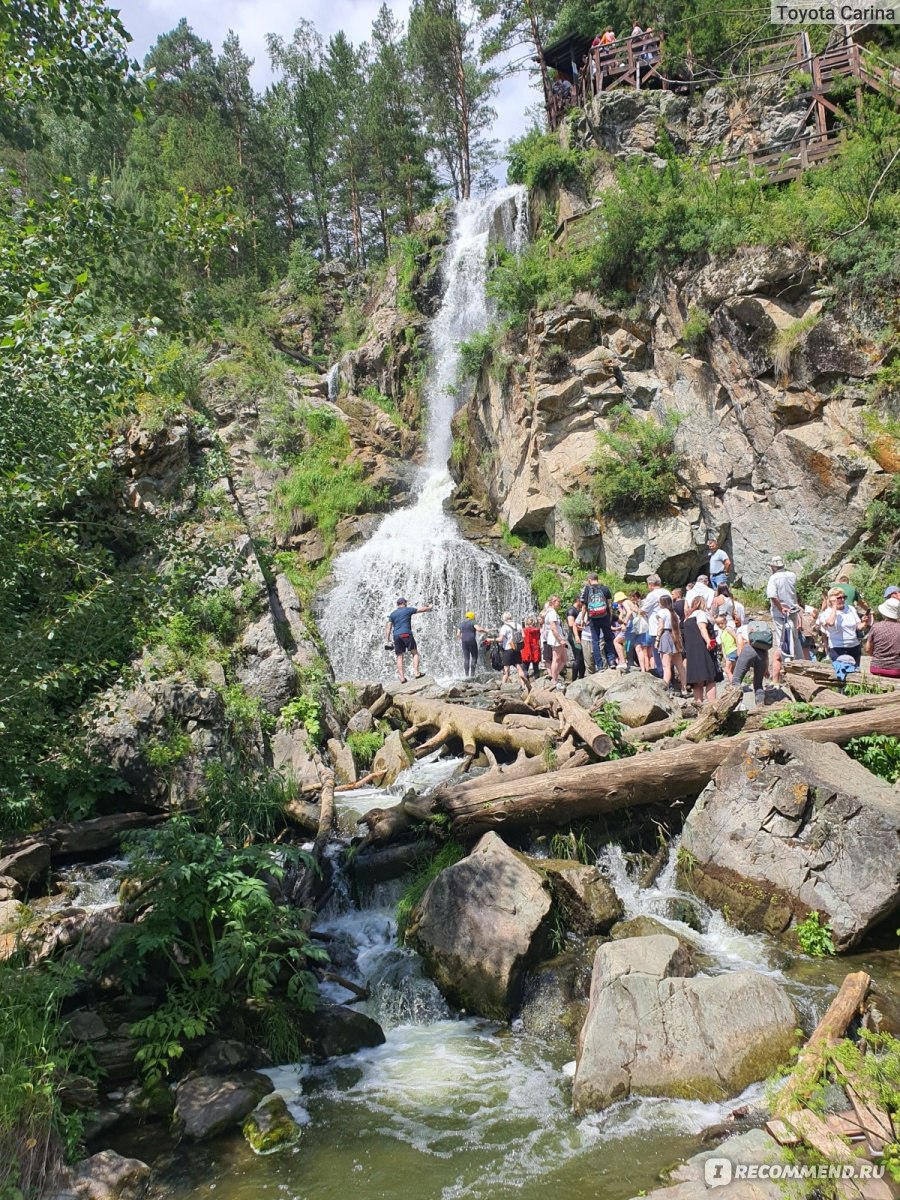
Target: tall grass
[[35, 1133]]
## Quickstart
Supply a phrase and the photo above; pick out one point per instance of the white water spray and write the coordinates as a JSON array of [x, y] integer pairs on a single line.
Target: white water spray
[[419, 553]]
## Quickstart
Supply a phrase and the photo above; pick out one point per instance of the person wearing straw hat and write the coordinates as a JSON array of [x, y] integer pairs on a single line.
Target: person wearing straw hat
[[467, 634], [883, 642]]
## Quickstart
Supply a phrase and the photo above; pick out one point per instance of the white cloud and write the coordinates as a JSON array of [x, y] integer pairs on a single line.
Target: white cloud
[[253, 19]]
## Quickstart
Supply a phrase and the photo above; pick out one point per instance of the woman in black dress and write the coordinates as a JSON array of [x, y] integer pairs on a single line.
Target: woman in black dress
[[701, 669]]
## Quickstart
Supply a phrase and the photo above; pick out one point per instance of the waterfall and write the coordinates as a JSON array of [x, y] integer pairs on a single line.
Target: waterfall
[[333, 381], [419, 552]]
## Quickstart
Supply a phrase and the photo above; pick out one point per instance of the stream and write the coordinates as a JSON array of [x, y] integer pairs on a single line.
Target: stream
[[454, 1107]]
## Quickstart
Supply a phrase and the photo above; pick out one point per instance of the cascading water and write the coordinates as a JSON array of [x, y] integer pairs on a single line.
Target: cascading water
[[419, 552]]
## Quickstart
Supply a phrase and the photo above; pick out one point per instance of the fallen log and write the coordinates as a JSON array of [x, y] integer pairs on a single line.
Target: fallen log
[[824, 673], [714, 715], [573, 716], [830, 1029], [825, 699], [326, 814], [653, 732], [474, 727], [532, 721], [664, 776]]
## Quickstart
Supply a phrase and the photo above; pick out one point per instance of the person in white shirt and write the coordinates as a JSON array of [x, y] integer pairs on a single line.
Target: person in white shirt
[[840, 621], [651, 601], [782, 593], [702, 589], [555, 639]]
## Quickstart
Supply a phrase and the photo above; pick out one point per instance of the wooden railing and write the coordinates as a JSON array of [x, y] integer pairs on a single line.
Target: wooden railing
[[629, 62], [785, 160]]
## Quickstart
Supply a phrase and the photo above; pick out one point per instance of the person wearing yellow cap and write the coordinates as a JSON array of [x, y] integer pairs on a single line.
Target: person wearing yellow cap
[[467, 635]]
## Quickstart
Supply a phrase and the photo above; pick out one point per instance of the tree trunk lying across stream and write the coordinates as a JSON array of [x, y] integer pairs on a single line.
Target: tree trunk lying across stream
[[661, 777]]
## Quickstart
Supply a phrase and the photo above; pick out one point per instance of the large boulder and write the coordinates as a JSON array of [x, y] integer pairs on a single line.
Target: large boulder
[[207, 1105], [392, 759], [266, 671], [583, 896], [28, 863], [641, 698], [333, 1030], [652, 1030], [753, 1148], [785, 827], [270, 1126], [479, 925], [103, 1176]]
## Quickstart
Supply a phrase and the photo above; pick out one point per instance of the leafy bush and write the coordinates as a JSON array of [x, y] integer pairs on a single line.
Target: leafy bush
[[538, 160], [449, 853], [786, 341], [577, 508], [303, 269], [815, 937], [35, 1133], [240, 804], [696, 327], [642, 472], [364, 747], [321, 483], [793, 714], [209, 927], [878, 753], [472, 353], [607, 718]]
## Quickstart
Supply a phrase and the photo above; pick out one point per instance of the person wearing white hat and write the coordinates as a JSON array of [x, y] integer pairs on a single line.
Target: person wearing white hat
[[781, 591], [883, 643]]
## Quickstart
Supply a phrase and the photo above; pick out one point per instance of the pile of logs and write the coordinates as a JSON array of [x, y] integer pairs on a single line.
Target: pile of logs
[[863, 1130], [563, 771]]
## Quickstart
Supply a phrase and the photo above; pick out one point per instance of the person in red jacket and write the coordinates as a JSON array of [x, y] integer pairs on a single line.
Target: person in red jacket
[[531, 645]]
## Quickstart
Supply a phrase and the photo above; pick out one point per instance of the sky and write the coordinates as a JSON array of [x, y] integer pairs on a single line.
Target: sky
[[251, 20]]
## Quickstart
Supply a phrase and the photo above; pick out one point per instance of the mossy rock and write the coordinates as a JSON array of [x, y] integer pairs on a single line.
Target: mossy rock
[[270, 1127]]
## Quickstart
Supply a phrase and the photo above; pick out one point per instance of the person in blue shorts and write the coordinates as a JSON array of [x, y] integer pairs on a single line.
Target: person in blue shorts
[[398, 631]]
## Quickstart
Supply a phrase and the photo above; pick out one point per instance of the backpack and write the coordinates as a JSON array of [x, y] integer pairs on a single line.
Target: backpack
[[759, 635], [597, 604], [496, 657]]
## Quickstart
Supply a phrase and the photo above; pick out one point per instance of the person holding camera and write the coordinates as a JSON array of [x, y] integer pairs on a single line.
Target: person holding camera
[[398, 633]]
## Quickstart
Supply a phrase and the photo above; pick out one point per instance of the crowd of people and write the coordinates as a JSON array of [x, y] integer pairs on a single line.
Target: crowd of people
[[692, 638]]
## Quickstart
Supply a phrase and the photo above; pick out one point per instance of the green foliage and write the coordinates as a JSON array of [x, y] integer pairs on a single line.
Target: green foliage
[[241, 804], [873, 1063], [35, 1133], [321, 483], [696, 327], [449, 853], [785, 341], [556, 572], [577, 508], [795, 714], [209, 925], [574, 846], [878, 753], [636, 469], [472, 353], [306, 712], [167, 752], [364, 747], [303, 269], [538, 161], [385, 403], [815, 937], [607, 718]]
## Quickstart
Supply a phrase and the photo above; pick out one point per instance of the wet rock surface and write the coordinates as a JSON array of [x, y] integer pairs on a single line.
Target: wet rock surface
[[786, 827], [653, 1030]]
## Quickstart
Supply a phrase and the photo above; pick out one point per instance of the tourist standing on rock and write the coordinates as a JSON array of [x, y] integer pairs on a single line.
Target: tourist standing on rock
[[575, 619], [466, 633], [649, 608], [597, 600], [755, 643], [728, 642], [781, 591], [883, 643], [510, 638], [531, 645], [398, 630], [555, 639], [587, 643], [701, 667], [701, 588], [722, 603], [840, 621], [719, 563], [668, 640]]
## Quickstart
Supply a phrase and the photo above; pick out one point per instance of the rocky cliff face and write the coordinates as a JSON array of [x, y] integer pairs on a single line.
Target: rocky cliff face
[[767, 369]]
